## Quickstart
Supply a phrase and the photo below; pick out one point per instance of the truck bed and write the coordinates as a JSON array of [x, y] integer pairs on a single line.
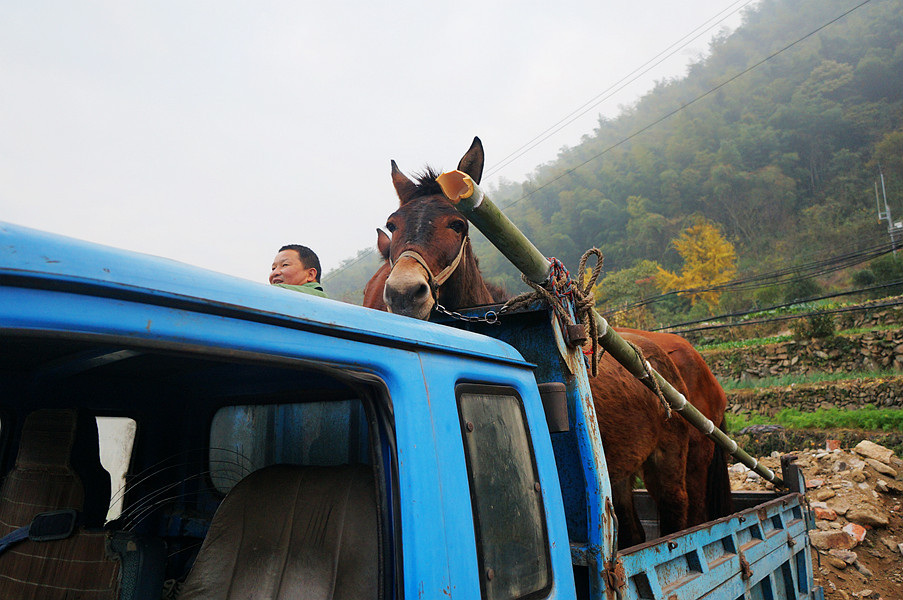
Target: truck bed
[[744, 555]]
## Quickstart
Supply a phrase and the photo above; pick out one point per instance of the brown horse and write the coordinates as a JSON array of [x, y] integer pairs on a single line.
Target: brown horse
[[708, 483], [638, 438], [428, 235], [428, 260]]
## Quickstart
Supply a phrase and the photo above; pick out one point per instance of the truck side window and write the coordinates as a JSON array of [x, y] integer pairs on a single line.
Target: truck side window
[[512, 543]]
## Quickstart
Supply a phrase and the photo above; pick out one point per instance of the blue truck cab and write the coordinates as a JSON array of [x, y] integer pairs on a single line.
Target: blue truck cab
[[167, 431]]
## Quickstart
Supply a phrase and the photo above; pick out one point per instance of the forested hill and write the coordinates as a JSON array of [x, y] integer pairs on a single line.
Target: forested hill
[[781, 154]]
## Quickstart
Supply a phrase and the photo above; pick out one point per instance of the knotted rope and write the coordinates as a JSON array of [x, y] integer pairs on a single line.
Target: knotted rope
[[560, 286], [653, 385]]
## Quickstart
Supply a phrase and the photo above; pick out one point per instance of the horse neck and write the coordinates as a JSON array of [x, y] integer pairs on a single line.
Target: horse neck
[[373, 291], [465, 287]]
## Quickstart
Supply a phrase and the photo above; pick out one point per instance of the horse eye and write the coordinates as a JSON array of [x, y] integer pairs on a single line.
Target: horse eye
[[457, 226], [390, 227]]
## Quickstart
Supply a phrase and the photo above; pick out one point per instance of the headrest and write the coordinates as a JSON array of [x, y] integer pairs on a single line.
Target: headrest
[[47, 439], [65, 441]]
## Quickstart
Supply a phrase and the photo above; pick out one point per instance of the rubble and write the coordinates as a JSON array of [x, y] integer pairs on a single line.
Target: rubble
[[875, 451], [855, 531], [825, 494], [847, 556], [869, 515], [881, 467], [856, 499], [831, 540]]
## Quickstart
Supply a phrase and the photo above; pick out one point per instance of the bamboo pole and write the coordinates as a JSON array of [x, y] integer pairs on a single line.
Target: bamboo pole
[[470, 201]]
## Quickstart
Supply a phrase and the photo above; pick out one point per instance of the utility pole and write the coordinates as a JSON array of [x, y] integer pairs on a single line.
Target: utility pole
[[892, 228]]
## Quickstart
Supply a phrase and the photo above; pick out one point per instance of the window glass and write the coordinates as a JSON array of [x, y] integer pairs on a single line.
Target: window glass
[[507, 502], [244, 439], [117, 438]]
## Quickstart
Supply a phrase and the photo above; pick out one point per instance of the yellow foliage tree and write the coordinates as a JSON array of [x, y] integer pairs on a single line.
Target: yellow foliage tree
[[709, 260]]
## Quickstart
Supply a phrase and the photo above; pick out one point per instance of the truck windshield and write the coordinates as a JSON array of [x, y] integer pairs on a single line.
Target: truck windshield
[[244, 439]]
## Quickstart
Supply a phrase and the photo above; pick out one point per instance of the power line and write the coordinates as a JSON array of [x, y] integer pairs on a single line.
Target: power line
[[779, 277], [620, 84], [648, 126], [595, 101], [779, 318], [683, 106]]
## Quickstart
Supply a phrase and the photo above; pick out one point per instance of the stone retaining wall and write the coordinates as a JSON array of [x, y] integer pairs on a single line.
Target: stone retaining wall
[[869, 351], [867, 317], [885, 392], [763, 443]]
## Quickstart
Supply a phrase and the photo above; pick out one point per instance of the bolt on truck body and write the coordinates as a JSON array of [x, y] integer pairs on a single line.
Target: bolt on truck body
[[273, 444]]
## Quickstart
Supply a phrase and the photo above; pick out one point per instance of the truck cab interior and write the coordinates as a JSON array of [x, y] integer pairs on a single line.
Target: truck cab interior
[[187, 473]]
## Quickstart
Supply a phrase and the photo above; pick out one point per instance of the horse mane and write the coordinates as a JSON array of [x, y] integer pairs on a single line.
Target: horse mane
[[425, 184]]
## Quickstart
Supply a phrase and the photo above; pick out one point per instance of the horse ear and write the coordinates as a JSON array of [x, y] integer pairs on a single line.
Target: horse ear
[[404, 187], [383, 242], [472, 162]]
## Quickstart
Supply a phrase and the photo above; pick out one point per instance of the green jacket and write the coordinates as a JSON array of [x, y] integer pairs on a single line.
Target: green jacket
[[311, 287]]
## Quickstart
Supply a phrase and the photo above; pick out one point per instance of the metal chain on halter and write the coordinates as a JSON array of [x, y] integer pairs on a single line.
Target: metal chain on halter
[[491, 316]]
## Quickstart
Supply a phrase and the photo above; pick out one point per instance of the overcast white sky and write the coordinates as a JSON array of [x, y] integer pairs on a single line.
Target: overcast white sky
[[213, 132]]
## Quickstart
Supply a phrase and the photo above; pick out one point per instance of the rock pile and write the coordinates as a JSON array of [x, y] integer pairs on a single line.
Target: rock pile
[[857, 500]]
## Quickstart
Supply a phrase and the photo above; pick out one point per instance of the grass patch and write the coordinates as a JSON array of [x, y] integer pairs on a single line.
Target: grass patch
[[870, 418], [777, 339], [802, 379], [861, 330], [732, 345]]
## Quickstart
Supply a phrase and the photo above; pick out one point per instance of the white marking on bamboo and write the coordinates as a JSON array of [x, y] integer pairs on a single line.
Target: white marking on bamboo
[[734, 444], [603, 329], [478, 195], [709, 427], [681, 403]]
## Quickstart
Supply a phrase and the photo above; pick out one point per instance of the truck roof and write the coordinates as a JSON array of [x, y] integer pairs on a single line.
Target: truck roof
[[36, 259]]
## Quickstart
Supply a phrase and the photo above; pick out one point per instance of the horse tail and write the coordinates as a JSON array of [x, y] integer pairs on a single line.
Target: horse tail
[[718, 483]]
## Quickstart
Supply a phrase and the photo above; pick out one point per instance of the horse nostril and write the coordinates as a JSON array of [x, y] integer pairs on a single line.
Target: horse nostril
[[422, 291]]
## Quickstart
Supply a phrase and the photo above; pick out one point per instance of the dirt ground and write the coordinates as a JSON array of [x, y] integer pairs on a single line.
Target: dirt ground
[[857, 496]]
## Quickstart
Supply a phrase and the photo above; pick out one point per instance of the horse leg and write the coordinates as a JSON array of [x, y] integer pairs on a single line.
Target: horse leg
[[664, 474], [718, 484], [699, 456], [630, 529]]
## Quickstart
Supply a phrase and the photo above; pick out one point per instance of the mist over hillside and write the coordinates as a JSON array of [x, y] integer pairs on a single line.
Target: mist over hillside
[[776, 137]]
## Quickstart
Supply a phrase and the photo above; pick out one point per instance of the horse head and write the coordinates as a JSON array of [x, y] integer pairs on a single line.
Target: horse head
[[428, 255]]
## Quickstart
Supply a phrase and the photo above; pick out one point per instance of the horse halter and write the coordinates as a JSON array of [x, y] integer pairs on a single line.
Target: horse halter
[[434, 280]]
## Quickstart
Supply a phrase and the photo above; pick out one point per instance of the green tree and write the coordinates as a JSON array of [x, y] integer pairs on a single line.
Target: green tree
[[617, 293], [889, 156]]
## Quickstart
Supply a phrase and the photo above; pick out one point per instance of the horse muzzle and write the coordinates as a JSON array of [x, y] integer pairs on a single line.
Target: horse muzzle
[[408, 291], [411, 289]]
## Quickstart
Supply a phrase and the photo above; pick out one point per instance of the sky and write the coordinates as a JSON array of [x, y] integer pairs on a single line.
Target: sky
[[214, 132]]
